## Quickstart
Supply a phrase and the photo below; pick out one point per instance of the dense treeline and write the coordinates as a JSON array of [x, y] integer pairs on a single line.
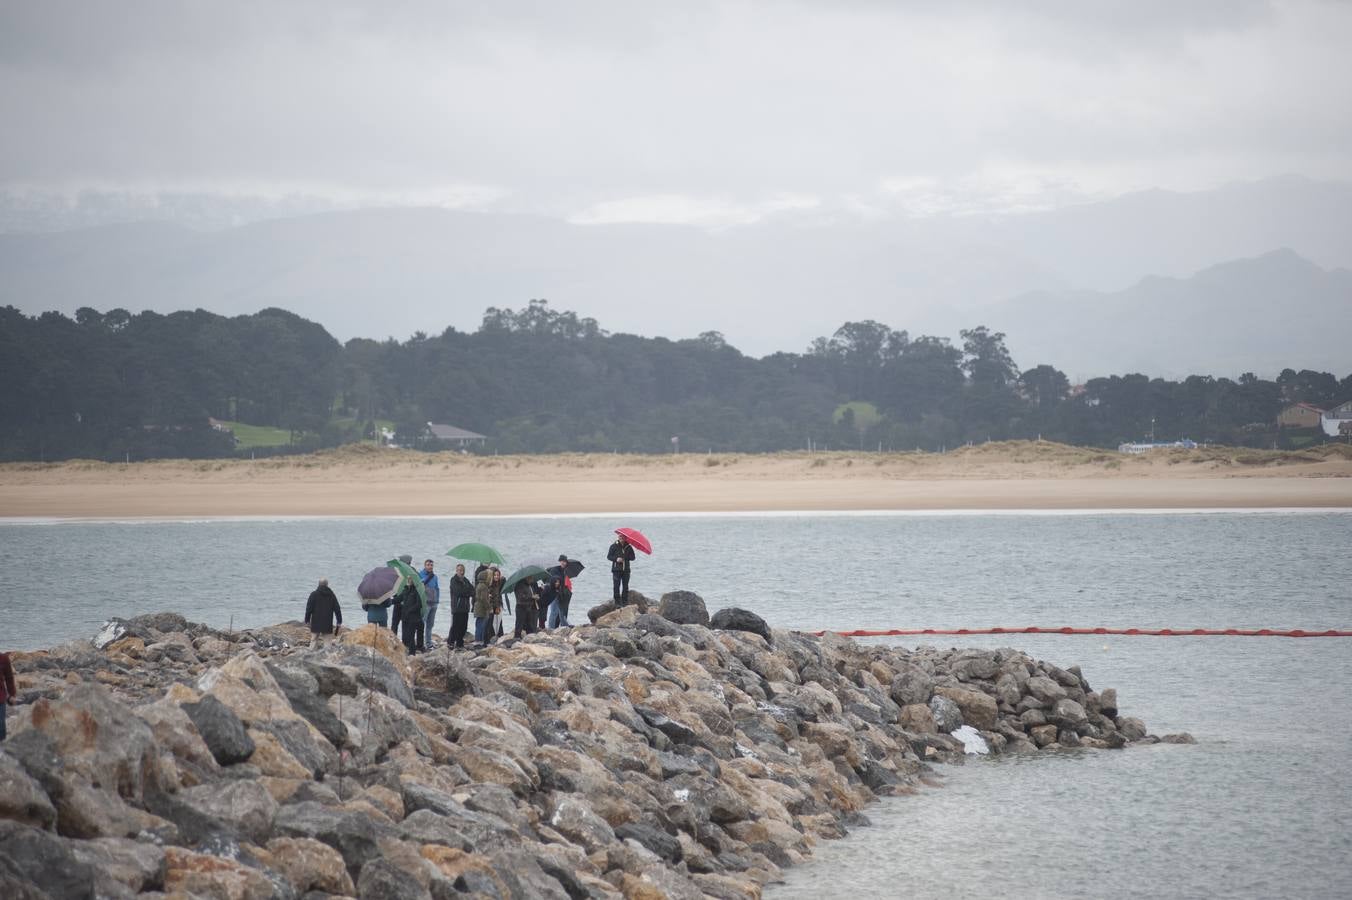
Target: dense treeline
[[115, 385]]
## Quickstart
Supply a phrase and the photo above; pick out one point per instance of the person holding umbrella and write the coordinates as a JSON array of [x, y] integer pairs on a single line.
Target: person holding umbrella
[[620, 554], [527, 618], [462, 597], [320, 612], [483, 608], [397, 611]]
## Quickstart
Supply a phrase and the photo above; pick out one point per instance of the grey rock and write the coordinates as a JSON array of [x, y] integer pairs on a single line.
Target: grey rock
[[1108, 702], [975, 665], [246, 806], [222, 730], [302, 692], [1068, 714], [383, 880], [1045, 689], [373, 671], [735, 618], [22, 798], [1132, 729], [44, 862], [352, 834], [656, 840], [120, 862], [315, 754], [636, 600], [912, 685], [678, 733], [947, 715], [683, 608], [573, 818]]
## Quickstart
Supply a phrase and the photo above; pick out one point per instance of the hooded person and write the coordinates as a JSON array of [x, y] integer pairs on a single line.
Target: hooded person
[[397, 609], [620, 554], [527, 619], [462, 598], [483, 608], [322, 613], [413, 609]]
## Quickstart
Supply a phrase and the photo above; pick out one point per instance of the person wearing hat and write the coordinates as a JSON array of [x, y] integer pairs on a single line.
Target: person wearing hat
[[397, 609]]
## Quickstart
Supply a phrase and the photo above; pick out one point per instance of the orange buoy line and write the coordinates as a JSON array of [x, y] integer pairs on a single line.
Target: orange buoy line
[[1130, 632]]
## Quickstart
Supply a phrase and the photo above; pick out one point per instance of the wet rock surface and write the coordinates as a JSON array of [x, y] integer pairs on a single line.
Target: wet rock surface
[[657, 753]]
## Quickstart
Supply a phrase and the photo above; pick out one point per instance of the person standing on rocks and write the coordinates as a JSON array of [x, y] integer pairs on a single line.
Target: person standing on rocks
[[527, 619], [433, 587], [321, 611], [562, 595], [483, 608], [410, 605], [397, 610], [462, 597], [498, 581], [9, 694], [620, 554]]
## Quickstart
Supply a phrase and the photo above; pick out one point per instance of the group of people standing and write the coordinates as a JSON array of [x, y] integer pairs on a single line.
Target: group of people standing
[[539, 605]]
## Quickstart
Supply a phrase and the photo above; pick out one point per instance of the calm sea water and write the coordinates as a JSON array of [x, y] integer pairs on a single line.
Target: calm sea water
[[1261, 807]]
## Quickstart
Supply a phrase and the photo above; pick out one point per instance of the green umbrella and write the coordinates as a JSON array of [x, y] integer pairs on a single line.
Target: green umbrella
[[410, 575], [476, 553], [525, 573]]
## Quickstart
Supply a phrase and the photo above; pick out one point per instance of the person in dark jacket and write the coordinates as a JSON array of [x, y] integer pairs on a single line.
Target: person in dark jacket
[[462, 596], [397, 610], [432, 585], [322, 613], [9, 694], [410, 604], [527, 619], [620, 554]]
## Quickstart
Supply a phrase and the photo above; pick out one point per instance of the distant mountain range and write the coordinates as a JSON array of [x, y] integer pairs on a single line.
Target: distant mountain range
[[1253, 315], [770, 286]]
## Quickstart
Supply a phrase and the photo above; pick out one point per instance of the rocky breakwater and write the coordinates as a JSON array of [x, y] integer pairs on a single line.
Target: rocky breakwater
[[646, 755]]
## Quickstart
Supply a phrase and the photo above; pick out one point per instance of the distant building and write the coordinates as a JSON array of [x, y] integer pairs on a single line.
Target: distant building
[[456, 437], [1300, 415], [1145, 447], [1337, 422]]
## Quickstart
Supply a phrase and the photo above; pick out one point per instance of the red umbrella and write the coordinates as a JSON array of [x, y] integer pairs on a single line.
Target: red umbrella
[[635, 537]]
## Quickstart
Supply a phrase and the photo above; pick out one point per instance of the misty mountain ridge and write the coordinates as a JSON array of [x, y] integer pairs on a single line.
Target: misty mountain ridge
[[774, 285], [1251, 315]]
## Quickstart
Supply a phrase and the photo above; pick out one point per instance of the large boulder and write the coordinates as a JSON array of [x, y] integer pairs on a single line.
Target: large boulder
[[310, 866], [736, 619], [636, 600], [122, 864], [683, 608], [101, 741], [22, 799], [978, 709], [352, 834], [222, 730], [37, 864], [246, 806], [947, 714], [912, 685]]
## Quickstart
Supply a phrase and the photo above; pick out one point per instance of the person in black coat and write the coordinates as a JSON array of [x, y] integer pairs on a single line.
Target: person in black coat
[[620, 554], [322, 612], [462, 597]]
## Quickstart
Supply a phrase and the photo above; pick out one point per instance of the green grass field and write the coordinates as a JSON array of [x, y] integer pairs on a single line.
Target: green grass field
[[248, 437]]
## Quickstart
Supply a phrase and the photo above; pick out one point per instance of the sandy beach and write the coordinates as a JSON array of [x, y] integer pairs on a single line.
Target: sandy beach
[[371, 481]]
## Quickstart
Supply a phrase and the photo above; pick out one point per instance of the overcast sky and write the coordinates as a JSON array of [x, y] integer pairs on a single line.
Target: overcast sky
[[714, 113]]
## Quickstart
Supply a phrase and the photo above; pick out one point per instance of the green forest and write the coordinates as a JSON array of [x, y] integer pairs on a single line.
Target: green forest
[[117, 386]]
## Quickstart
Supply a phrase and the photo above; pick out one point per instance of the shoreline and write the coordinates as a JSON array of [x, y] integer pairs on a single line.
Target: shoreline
[[1017, 476]]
